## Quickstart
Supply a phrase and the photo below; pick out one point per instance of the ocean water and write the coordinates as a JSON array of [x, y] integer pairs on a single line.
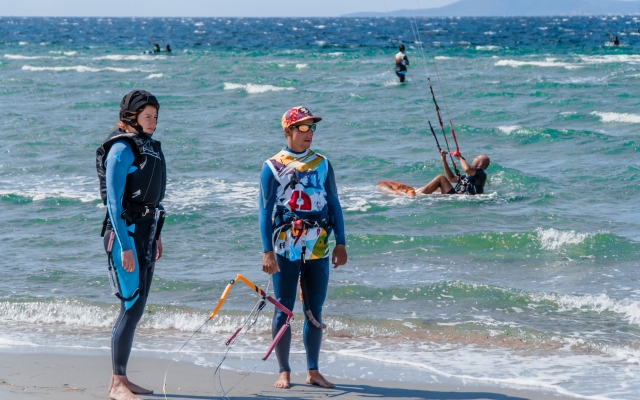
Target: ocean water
[[534, 284]]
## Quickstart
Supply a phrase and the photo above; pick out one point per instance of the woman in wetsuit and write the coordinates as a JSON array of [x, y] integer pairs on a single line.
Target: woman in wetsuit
[[132, 174], [300, 183]]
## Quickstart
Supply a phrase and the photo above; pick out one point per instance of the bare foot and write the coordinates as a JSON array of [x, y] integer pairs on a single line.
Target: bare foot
[[119, 391], [314, 377], [284, 380], [135, 389]]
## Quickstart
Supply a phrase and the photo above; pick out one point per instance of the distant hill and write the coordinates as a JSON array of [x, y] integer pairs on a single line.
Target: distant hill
[[517, 8]]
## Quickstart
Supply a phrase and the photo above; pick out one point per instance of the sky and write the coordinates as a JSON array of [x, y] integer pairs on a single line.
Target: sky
[[205, 8]]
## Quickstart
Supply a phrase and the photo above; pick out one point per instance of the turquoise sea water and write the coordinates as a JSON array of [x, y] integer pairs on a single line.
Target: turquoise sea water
[[534, 284]]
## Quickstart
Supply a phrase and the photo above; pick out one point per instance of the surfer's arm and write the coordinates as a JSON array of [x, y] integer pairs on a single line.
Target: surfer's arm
[[119, 160], [266, 202], [335, 209], [406, 59], [468, 169], [445, 165]]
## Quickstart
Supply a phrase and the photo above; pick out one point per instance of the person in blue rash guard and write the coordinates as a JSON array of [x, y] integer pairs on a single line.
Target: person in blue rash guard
[[132, 174], [300, 183]]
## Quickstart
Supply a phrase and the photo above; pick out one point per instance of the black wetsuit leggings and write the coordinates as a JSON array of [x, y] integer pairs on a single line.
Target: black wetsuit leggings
[[125, 326]]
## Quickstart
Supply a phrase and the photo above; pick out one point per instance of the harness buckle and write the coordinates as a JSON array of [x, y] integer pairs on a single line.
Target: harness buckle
[[146, 211], [297, 224]]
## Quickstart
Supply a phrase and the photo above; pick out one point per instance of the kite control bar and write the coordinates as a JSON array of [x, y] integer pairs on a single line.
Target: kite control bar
[[260, 292]]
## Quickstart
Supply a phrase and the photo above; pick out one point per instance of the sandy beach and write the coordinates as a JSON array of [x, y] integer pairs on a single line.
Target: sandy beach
[[58, 376]]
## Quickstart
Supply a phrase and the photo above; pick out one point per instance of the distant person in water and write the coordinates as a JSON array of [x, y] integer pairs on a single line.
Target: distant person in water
[[616, 42], [156, 48], [471, 183], [168, 49], [401, 63]]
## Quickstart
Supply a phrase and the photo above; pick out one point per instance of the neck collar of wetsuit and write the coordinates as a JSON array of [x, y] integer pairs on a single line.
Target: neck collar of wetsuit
[[142, 135], [297, 153]]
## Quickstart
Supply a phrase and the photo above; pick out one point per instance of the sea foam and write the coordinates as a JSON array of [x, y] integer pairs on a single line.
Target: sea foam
[[124, 57], [553, 239], [81, 68], [545, 64], [617, 117], [253, 88]]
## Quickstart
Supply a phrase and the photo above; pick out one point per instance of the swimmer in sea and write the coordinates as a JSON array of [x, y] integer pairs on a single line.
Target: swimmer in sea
[[471, 183], [401, 63]]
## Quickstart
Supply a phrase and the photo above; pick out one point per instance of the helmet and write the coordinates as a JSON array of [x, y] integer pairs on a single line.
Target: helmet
[[133, 102]]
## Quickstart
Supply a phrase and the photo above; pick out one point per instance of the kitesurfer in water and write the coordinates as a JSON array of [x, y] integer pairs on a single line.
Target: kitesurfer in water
[[401, 63], [616, 41], [132, 174], [156, 48], [300, 183], [168, 49], [471, 183]]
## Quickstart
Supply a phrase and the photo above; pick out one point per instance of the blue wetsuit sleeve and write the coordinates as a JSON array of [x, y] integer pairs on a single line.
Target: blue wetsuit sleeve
[[335, 209], [119, 160], [266, 202]]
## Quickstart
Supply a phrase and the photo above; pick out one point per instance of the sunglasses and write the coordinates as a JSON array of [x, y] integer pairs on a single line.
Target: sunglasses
[[305, 128]]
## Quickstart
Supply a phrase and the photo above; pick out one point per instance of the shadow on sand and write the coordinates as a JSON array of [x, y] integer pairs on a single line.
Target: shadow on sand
[[357, 391]]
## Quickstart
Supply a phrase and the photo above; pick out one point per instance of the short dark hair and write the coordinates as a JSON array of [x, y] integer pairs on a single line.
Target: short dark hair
[[401, 48]]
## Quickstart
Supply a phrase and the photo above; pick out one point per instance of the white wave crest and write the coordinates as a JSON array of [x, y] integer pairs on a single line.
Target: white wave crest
[[21, 57], [154, 76], [193, 194], [38, 188], [553, 239], [508, 128], [618, 117], [549, 62], [63, 312], [63, 53], [594, 303], [124, 57], [301, 66], [253, 88], [613, 58], [81, 68], [488, 48], [75, 313]]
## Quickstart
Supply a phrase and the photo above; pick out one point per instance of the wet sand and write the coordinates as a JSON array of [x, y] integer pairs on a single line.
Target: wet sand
[[60, 376]]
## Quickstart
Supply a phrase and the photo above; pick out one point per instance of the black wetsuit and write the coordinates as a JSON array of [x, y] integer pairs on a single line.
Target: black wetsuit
[[401, 65], [471, 184]]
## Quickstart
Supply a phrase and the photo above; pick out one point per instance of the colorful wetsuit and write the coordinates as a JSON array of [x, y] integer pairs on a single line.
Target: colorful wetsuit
[[300, 185], [138, 233]]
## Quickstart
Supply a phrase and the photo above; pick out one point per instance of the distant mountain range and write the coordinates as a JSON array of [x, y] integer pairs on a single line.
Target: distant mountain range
[[517, 8]]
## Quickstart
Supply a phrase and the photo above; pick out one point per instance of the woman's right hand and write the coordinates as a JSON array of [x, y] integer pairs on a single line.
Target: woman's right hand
[[269, 263], [128, 262]]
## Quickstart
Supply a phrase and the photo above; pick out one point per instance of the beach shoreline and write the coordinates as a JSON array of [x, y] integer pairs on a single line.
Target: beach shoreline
[[65, 376]]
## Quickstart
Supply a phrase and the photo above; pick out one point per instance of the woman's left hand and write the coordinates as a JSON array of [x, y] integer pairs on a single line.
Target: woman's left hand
[[159, 249], [339, 256]]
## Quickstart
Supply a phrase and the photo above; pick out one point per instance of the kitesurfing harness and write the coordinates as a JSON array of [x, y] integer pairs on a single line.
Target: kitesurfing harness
[[285, 220], [144, 190]]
